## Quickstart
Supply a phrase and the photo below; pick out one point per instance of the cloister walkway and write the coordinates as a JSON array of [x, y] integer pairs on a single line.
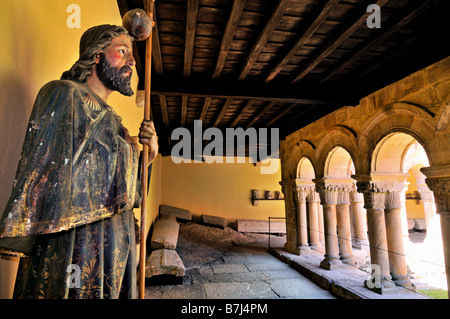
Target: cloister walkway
[[247, 270], [244, 271]]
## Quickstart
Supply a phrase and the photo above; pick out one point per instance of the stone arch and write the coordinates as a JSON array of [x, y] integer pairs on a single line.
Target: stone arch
[[302, 149], [443, 118], [396, 168], [337, 136], [391, 151], [339, 163], [305, 169], [405, 118]]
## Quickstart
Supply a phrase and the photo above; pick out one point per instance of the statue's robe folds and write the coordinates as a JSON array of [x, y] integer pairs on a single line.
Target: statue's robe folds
[[70, 215]]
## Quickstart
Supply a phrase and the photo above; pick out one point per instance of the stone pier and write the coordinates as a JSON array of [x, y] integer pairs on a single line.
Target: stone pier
[[328, 198]]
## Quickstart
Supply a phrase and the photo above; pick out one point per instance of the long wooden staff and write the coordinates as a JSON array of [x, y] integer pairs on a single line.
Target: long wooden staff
[[144, 178]]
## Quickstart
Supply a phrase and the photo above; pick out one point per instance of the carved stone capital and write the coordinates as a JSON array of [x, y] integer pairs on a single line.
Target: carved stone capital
[[356, 197], [441, 191], [287, 185], [344, 194], [333, 191], [393, 200], [382, 190], [303, 188], [438, 180], [313, 196], [301, 192]]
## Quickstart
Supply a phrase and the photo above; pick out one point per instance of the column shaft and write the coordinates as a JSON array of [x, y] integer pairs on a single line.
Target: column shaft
[[320, 220], [360, 218], [314, 239], [378, 245], [397, 260], [344, 233], [287, 187], [331, 242], [313, 224], [302, 229]]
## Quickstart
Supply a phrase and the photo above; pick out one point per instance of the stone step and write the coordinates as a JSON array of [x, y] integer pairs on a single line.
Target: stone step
[[175, 211], [164, 262], [165, 233], [214, 220], [260, 226]]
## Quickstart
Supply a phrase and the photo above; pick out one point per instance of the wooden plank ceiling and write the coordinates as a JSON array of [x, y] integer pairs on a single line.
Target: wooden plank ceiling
[[279, 63]]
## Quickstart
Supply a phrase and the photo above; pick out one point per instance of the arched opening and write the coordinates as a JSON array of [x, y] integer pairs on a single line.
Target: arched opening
[[350, 212], [305, 169], [339, 164], [310, 232], [398, 158]]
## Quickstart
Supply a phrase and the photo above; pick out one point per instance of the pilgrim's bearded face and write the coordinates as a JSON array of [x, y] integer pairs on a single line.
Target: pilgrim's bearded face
[[114, 65]]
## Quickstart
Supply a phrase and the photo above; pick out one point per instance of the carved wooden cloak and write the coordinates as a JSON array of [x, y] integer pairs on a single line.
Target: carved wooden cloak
[[75, 168]]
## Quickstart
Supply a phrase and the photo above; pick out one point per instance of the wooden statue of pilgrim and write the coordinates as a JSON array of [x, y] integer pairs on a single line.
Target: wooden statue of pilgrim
[[77, 182]]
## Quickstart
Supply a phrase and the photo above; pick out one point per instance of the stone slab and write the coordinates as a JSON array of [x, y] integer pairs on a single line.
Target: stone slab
[[410, 225], [299, 288], [165, 233], [420, 225], [164, 262], [260, 226], [214, 220], [229, 268], [239, 290], [175, 211]]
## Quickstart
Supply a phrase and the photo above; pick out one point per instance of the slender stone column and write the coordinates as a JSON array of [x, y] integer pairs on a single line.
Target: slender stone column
[[395, 186], [328, 198], [288, 189], [321, 225], [302, 225], [374, 199], [360, 218], [438, 180], [313, 199], [343, 224]]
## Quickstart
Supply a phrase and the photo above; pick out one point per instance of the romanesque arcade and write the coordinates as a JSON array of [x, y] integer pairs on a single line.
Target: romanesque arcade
[[345, 177]]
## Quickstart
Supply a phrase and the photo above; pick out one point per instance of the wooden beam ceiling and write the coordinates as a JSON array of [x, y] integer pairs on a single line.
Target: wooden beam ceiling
[[256, 63], [334, 43], [329, 6], [236, 11], [377, 40], [263, 37]]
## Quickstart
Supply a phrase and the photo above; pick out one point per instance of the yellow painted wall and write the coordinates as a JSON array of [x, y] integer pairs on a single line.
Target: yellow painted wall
[[220, 189], [37, 46], [414, 208]]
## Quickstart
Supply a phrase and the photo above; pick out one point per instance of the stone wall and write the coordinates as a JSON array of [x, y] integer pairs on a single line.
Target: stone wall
[[418, 105]]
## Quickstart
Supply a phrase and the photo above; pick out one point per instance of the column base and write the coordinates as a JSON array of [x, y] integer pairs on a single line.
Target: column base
[[403, 281], [292, 248], [303, 249], [348, 259], [330, 262], [317, 247]]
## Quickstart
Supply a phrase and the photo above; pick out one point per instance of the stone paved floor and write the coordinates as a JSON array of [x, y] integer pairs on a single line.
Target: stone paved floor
[[220, 265], [248, 271]]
